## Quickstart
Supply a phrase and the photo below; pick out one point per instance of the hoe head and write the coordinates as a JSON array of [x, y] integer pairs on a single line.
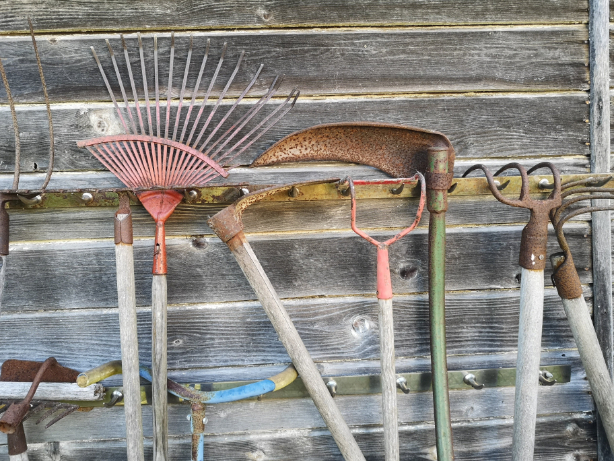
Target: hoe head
[[398, 150]]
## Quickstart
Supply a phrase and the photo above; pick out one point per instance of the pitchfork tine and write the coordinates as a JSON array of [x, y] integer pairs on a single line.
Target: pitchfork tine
[[51, 138], [182, 92], [131, 77], [206, 98], [15, 126]]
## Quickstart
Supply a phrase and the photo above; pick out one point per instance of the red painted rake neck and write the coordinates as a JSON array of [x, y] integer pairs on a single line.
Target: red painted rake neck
[[160, 205]]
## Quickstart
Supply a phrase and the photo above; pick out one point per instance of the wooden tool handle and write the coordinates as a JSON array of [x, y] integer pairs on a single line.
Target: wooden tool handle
[[388, 380], [592, 358], [527, 364], [296, 349], [158, 365], [124, 261]]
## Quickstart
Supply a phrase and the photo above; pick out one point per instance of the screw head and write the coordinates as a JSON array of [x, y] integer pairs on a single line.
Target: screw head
[[87, 197]]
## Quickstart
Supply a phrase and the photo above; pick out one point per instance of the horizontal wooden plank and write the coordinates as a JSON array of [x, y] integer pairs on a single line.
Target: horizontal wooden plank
[[161, 14], [361, 61], [560, 437], [239, 334], [277, 414], [480, 127], [74, 274]]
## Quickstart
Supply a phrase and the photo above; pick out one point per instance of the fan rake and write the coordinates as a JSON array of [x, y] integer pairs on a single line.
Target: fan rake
[[185, 151]]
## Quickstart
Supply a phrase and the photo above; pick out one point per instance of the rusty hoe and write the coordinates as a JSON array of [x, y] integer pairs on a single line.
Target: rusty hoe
[[399, 151], [12, 193], [27, 372], [228, 226], [197, 398], [163, 160], [385, 320], [567, 282], [532, 261]]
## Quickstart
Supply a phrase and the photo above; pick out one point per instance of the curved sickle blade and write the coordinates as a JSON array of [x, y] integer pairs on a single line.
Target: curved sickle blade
[[397, 150]]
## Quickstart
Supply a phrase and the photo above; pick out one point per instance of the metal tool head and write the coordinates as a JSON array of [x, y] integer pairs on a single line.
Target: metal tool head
[[228, 223], [397, 150], [565, 276], [535, 233], [418, 177], [26, 370]]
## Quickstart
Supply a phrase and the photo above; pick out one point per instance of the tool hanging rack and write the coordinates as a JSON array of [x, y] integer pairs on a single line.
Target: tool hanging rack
[[461, 187]]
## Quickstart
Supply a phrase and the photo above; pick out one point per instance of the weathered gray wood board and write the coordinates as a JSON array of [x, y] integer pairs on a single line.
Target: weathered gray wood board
[[559, 437], [363, 61], [501, 126], [164, 14], [67, 275], [238, 334]]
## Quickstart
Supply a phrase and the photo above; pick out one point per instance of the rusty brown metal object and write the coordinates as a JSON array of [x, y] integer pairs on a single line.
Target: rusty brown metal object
[[397, 150], [227, 223], [123, 221], [535, 234], [565, 276], [13, 417], [26, 371]]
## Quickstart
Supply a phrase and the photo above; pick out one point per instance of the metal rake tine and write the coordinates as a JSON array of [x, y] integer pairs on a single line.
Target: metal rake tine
[[232, 108], [182, 92], [51, 138], [196, 86], [157, 88], [286, 105], [556, 212], [145, 88], [584, 190], [595, 182], [52, 410], [131, 78], [206, 98], [239, 124], [35, 410], [169, 87], [71, 409], [16, 173], [121, 86], [210, 176], [219, 99], [106, 82]]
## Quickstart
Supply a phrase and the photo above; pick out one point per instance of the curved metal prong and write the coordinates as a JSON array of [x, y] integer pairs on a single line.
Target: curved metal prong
[[555, 175], [494, 188]]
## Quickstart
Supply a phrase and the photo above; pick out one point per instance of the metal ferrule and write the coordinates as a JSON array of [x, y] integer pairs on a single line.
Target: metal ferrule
[[565, 276], [17, 441], [534, 241], [159, 258], [438, 180], [123, 222], [4, 229], [226, 224]]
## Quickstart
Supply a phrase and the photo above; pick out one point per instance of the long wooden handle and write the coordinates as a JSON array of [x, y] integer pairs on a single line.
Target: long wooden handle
[[388, 380], [124, 263], [592, 358], [527, 364], [158, 365], [296, 349]]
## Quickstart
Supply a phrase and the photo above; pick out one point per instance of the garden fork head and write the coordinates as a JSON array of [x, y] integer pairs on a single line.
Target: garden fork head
[[535, 233], [565, 276], [384, 284]]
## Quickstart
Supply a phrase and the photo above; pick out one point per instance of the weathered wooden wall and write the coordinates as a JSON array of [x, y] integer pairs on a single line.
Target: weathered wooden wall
[[503, 79]]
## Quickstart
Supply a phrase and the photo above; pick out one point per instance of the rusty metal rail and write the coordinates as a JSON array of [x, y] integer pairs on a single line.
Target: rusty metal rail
[[461, 187]]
